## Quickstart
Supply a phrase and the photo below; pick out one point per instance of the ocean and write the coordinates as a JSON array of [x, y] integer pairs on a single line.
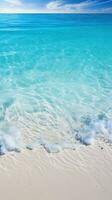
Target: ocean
[[55, 80]]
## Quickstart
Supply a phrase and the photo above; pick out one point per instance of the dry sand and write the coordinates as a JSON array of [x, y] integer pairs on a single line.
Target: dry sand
[[85, 173]]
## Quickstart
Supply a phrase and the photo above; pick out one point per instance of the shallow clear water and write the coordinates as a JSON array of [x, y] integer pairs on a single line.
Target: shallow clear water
[[55, 78]]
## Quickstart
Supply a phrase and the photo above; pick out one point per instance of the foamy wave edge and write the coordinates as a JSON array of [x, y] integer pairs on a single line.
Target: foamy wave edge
[[101, 127]]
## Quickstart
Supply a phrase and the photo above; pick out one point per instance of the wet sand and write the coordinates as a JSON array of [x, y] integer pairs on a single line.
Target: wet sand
[[85, 173]]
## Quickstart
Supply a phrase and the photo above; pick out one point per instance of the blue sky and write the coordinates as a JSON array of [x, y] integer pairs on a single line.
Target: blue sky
[[55, 6]]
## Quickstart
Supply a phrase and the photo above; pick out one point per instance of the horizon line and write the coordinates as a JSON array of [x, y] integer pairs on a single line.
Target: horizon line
[[55, 13]]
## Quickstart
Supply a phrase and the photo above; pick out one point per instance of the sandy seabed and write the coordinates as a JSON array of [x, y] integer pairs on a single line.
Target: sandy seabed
[[85, 173]]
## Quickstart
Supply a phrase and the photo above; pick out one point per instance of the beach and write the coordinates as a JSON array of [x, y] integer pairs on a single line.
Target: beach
[[84, 173], [55, 106]]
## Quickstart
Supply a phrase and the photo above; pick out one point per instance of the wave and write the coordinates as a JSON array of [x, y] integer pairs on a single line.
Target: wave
[[90, 130]]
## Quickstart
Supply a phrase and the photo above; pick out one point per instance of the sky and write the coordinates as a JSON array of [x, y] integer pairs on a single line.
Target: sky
[[55, 6]]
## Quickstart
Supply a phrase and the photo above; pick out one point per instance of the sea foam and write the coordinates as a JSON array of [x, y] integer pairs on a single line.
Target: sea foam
[[88, 132], [96, 127], [51, 147], [10, 139]]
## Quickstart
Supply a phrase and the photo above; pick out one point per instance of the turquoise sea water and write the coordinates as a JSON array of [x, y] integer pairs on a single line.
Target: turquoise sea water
[[55, 80]]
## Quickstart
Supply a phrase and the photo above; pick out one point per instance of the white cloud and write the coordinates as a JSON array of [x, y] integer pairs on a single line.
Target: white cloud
[[85, 6], [19, 10], [74, 7], [79, 7], [55, 6], [14, 2]]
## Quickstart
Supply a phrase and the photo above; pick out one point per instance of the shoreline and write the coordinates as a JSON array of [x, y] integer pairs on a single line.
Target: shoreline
[[84, 173]]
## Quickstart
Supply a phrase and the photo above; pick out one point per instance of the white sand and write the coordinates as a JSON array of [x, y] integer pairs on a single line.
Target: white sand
[[85, 173]]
